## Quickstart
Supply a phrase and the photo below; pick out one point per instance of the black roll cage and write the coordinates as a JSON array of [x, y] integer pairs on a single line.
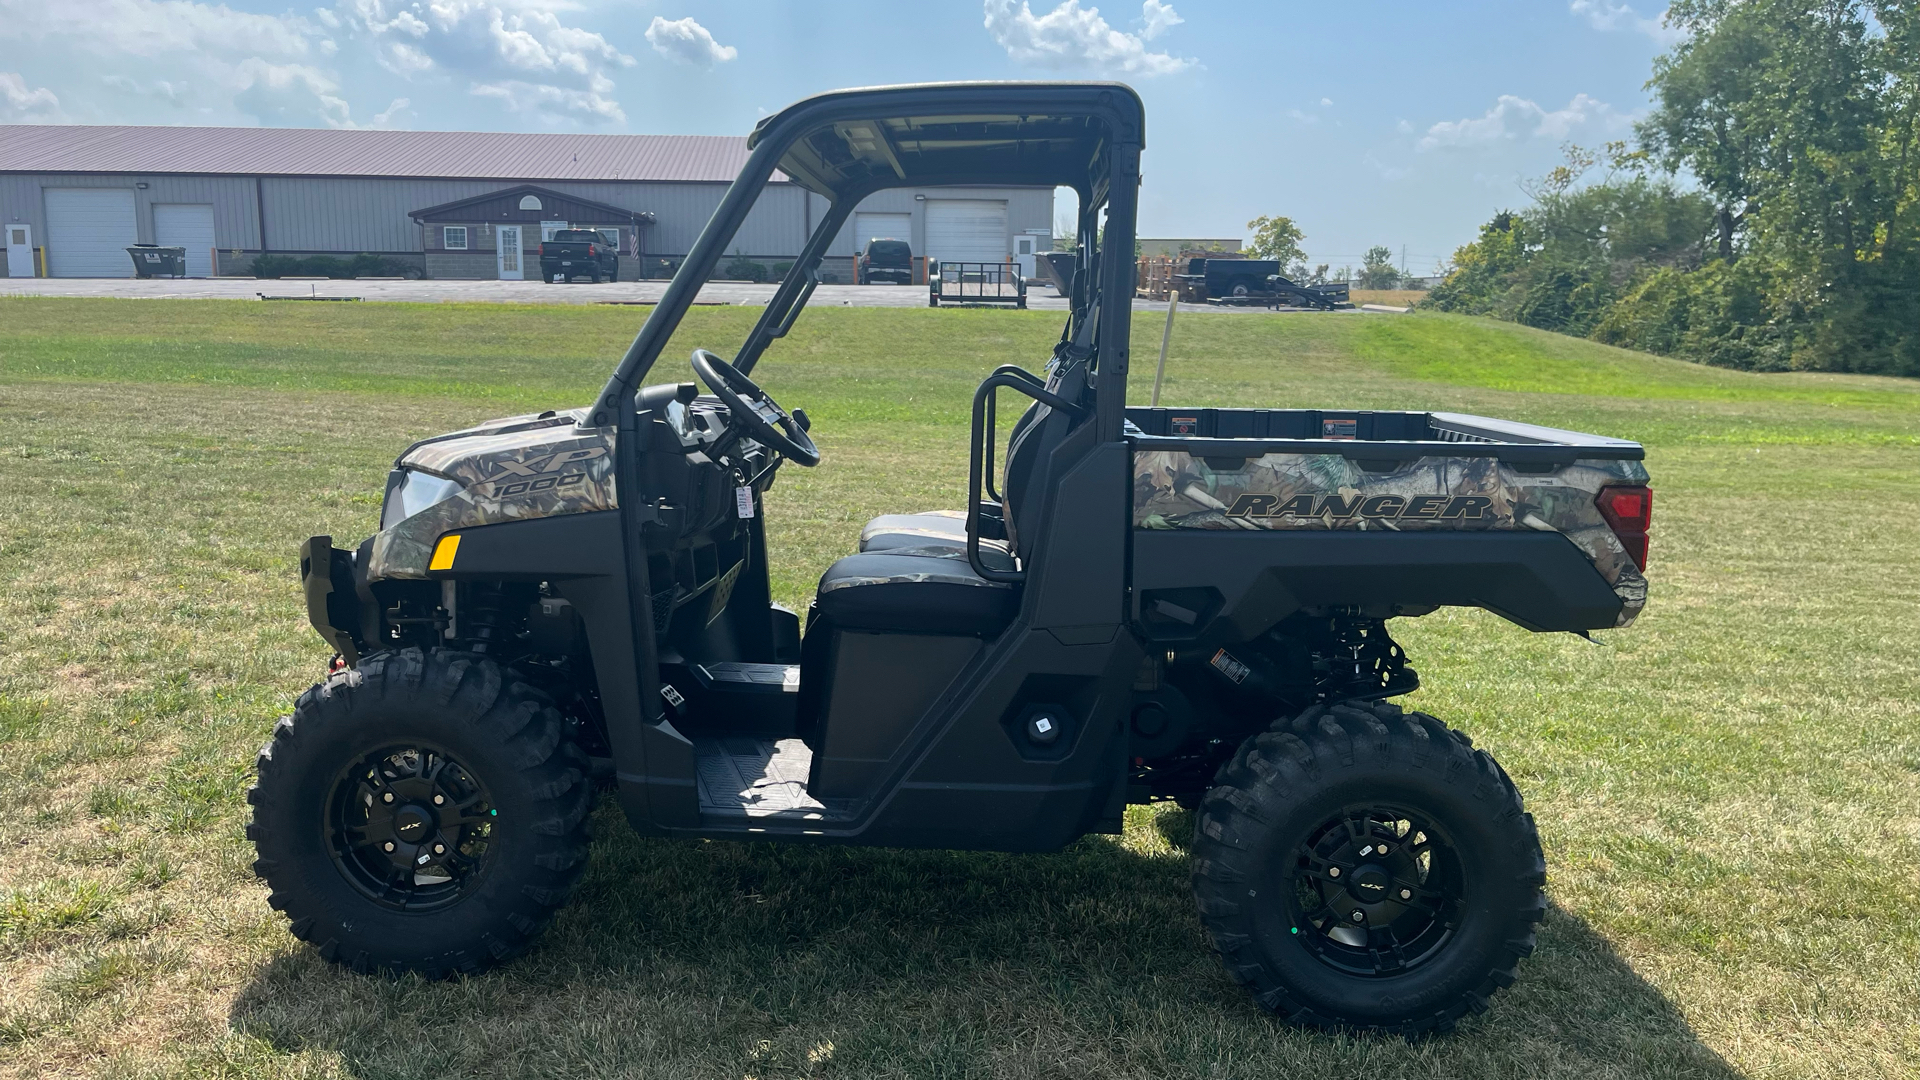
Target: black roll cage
[[1106, 173]]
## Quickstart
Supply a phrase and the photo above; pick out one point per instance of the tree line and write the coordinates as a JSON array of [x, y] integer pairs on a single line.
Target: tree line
[[1796, 243], [1279, 238]]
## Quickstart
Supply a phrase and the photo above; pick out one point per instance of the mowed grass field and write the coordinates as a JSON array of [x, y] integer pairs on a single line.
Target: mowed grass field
[[1728, 792]]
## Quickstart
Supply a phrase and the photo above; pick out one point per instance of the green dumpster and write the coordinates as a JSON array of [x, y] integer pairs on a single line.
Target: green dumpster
[[152, 260]]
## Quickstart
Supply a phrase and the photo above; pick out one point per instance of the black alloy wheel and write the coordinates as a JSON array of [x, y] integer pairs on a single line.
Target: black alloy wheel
[[408, 826], [1361, 867], [422, 812], [1376, 891]]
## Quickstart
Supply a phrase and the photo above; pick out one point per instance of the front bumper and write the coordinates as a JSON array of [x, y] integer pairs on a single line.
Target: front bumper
[[333, 589]]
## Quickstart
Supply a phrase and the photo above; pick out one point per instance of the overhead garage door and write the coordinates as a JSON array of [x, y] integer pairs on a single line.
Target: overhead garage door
[[881, 227], [967, 230], [89, 230], [187, 225]]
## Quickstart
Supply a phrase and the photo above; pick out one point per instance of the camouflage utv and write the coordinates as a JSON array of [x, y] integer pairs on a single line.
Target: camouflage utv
[[1133, 605]]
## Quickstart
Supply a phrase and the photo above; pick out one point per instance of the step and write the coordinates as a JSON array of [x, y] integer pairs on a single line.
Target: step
[[757, 779]]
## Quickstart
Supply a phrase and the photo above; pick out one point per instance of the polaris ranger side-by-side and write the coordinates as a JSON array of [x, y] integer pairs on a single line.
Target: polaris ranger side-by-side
[[1133, 604]]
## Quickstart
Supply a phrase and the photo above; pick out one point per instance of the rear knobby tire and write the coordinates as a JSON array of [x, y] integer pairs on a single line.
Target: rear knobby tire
[[509, 766], [1275, 849]]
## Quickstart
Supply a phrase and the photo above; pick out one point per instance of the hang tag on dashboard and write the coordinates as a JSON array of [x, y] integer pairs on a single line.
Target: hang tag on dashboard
[[743, 501]]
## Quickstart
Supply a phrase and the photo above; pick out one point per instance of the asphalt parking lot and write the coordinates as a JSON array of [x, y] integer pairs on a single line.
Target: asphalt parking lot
[[502, 292]]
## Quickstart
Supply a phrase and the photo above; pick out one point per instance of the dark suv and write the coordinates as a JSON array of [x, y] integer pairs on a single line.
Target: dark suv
[[885, 262]]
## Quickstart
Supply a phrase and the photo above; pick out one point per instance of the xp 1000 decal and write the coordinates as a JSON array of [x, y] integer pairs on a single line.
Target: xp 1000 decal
[[1173, 489], [512, 475]]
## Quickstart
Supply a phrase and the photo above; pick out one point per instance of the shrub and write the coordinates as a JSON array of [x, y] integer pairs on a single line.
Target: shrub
[[361, 265], [744, 269]]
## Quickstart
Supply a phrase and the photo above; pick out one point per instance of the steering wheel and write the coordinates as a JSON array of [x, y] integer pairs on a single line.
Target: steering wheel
[[766, 421]]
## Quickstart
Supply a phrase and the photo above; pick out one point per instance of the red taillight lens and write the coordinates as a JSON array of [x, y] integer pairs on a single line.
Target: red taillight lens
[[543, 251], [1629, 513], [592, 251]]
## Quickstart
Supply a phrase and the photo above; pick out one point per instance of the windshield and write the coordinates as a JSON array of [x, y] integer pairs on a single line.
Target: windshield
[[889, 253]]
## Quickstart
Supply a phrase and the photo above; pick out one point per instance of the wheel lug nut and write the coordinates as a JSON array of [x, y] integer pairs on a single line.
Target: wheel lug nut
[[439, 849], [388, 846], [439, 799], [1333, 871], [388, 797], [1406, 894], [1359, 916], [1381, 850]]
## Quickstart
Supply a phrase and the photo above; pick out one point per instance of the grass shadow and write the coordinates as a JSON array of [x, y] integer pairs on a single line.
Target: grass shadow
[[689, 958]]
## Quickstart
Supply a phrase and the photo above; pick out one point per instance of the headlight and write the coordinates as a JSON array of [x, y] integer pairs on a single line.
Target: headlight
[[411, 491]]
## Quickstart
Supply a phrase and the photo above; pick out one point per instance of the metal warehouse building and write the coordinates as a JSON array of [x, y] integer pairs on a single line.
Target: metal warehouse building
[[446, 204]]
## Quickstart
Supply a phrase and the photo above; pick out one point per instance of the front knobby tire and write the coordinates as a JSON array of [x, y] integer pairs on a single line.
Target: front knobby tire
[[425, 812], [1364, 868]]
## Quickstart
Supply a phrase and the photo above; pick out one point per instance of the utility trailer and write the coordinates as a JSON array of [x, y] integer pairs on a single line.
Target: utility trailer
[[975, 284], [1323, 297], [1135, 604]]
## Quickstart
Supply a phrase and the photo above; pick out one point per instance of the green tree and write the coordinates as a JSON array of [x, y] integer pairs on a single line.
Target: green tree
[[1377, 270], [1276, 238], [1801, 118]]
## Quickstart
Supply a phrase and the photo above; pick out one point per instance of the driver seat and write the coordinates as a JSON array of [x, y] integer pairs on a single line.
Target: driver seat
[[912, 574], [947, 529]]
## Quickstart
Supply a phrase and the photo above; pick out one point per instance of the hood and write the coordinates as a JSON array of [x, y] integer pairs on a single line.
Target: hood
[[511, 469]]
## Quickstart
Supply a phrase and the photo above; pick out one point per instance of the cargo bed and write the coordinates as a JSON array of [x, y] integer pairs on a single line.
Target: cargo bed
[[1412, 509]]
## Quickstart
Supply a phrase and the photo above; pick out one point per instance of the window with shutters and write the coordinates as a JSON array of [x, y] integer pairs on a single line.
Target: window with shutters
[[454, 237]]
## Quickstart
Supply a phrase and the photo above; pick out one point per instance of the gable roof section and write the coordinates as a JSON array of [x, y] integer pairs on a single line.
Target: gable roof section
[[445, 155], [505, 203]]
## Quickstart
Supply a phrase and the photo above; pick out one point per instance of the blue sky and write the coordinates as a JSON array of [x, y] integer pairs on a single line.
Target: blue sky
[[1405, 124]]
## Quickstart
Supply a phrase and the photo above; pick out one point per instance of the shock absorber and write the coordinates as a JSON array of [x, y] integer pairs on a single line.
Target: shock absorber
[[482, 622]]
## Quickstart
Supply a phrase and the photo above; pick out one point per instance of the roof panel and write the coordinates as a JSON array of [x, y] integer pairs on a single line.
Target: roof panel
[[480, 155]]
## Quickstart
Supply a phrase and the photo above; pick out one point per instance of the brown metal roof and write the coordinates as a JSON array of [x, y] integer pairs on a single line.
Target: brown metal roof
[[484, 155]]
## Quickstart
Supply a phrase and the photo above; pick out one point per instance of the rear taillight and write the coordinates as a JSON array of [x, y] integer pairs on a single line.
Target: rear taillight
[[592, 251], [1629, 513], [543, 251]]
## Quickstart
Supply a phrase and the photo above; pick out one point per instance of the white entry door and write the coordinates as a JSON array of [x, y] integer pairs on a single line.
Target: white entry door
[[89, 231], [1023, 255], [19, 249], [190, 226], [967, 230], [509, 245]]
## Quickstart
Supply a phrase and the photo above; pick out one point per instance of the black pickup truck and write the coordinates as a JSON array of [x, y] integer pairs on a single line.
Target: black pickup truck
[[576, 253], [885, 262]]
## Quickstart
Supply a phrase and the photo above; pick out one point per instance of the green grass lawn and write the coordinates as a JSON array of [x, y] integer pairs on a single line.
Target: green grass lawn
[[1729, 792]]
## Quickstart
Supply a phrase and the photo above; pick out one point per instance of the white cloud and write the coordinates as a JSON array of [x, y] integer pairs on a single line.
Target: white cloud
[[289, 94], [157, 27], [1514, 118], [519, 53], [1608, 15], [23, 104], [687, 42], [404, 60], [391, 117], [173, 93], [1157, 18], [1071, 36], [306, 67], [553, 104]]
